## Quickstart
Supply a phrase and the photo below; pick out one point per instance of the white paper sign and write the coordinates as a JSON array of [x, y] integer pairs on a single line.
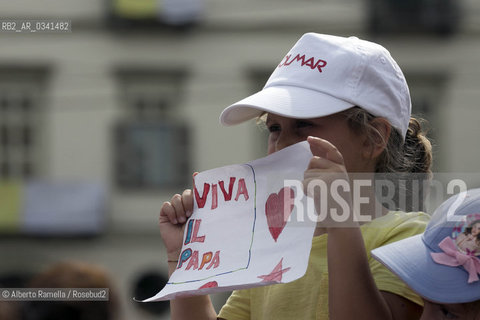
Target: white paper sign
[[248, 227]]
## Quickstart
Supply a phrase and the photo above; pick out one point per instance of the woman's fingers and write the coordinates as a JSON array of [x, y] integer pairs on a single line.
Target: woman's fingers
[[324, 149], [325, 167], [167, 213], [177, 204], [178, 209], [187, 201], [322, 163]]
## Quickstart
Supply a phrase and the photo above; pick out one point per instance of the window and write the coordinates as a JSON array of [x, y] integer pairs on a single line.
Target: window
[[413, 16], [21, 102], [151, 141], [154, 14]]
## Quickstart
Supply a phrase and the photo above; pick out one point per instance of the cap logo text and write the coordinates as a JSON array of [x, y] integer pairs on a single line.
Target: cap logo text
[[310, 62]]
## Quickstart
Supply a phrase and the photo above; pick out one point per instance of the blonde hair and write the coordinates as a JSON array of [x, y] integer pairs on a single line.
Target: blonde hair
[[412, 155], [405, 162]]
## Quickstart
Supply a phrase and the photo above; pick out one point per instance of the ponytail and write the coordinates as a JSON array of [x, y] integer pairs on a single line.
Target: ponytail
[[414, 155]]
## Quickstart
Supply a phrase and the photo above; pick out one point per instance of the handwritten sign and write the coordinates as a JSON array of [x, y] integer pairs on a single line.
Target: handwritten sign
[[247, 228]]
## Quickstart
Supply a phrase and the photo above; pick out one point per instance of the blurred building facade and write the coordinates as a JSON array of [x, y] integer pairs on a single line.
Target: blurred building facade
[[132, 105]]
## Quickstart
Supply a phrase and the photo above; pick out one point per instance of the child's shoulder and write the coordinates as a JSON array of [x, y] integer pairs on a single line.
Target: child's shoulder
[[395, 225], [399, 218]]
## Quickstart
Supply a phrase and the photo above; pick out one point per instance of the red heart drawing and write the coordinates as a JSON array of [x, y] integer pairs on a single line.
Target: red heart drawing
[[278, 209], [211, 284]]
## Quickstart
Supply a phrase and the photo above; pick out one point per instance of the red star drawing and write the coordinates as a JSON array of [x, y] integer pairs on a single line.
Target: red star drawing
[[276, 274]]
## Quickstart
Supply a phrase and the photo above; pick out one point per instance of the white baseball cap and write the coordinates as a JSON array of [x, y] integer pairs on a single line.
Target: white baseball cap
[[322, 75]]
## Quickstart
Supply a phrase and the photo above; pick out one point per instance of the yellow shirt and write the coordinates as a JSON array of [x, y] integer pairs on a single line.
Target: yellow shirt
[[307, 297]]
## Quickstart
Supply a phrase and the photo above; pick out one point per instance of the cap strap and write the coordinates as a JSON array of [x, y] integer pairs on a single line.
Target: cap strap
[[453, 258]]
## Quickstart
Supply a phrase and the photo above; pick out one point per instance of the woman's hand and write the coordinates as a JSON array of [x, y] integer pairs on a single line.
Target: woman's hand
[[173, 215], [327, 171]]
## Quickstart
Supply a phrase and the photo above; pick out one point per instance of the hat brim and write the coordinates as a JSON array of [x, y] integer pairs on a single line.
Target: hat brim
[[287, 101], [410, 260]]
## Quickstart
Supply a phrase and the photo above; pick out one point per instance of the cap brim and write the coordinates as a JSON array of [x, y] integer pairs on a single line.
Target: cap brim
[[287, 101], [410, 260]]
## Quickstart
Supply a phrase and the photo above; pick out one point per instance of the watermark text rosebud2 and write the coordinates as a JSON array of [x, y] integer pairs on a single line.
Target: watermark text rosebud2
[[337, 201], [333, 203]]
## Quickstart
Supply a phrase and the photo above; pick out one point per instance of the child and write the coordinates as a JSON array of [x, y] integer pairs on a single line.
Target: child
[[349, 99], [435, 267]]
